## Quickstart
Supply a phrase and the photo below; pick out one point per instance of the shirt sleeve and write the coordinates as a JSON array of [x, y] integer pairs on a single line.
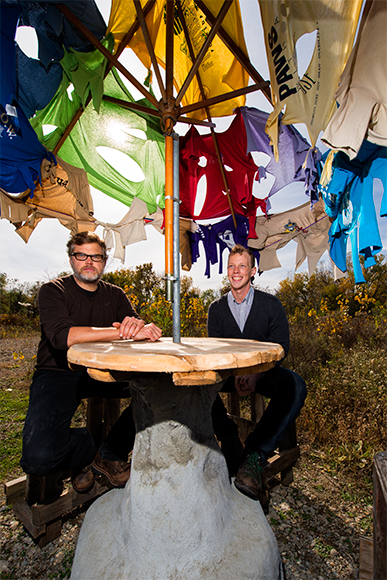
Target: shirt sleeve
[[54, 316]]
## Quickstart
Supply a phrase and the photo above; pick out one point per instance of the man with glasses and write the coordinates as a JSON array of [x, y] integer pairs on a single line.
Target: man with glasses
[[75, 309]]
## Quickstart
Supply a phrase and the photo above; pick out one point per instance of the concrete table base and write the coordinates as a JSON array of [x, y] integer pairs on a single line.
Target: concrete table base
[[178, 518]]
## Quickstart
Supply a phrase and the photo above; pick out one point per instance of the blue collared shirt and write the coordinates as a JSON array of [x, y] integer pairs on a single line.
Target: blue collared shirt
[[241, 310]]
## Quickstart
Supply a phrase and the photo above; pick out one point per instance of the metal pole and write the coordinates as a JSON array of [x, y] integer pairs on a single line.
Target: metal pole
[[169, 274], [176, 242]]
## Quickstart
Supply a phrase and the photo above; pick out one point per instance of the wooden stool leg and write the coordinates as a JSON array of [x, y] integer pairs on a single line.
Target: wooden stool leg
[[257, 406], [289, 441], [46, 488], [232, 404], [94, 420], [52, 532], [111, 412]]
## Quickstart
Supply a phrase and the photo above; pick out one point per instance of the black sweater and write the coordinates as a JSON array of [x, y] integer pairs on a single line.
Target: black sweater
[[64, 304], [266, 321]]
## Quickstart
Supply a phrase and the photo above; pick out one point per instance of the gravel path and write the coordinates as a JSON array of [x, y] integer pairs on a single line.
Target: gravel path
[[316, 520]]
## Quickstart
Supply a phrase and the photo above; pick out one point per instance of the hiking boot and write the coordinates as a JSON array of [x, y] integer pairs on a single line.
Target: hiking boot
[[117, 472], [249, 479], [83, 481]]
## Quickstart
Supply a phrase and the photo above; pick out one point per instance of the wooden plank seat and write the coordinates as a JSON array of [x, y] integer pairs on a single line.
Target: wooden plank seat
[[39, 503]]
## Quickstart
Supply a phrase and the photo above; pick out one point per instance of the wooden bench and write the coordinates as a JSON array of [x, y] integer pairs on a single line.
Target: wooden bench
[[30, 496], [285, 457], [373, 553], [44, 518]]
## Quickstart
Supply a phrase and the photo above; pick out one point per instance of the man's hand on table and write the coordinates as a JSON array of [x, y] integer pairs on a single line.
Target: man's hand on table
[[245, 384], [129, 327], [137, 330], [149, 332]]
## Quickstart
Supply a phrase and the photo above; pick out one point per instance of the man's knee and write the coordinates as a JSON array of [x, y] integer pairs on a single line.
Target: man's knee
[[46, 455], [37, 460], [300, 388]]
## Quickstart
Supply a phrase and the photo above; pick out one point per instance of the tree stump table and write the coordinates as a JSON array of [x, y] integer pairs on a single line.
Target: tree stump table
[[179, 517]]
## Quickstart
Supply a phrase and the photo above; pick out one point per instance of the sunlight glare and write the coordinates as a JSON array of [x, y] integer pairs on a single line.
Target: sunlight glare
[[47, 129], [27, 40], [201, 193], [304, 51], [70, 89], [139, 133], [122, 163]]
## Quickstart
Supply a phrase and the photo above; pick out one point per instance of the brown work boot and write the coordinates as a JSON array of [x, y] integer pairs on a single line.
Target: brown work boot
[[117, 472], [83, 481], [249, 479]]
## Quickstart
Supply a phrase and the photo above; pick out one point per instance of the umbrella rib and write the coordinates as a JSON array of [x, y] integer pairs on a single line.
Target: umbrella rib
[[149, 46], [201, 88], [70, 16], [215, 27], [132, 105], [234, 48], [224, 97]]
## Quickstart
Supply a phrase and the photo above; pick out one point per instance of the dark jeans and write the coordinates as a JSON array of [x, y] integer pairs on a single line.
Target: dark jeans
[[49, 444], [286, 391]]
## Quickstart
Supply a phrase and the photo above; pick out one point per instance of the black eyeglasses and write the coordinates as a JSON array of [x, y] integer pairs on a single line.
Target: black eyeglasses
[[83, 257]]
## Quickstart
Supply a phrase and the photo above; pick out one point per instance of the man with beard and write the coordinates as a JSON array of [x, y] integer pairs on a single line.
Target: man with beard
[[75, 309]]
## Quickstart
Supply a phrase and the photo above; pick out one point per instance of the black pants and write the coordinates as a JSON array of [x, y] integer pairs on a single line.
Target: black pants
[[49, 443], [286, 391]]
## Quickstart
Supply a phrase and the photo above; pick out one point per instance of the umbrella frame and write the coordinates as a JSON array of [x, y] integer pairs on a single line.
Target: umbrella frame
[[169, 110]]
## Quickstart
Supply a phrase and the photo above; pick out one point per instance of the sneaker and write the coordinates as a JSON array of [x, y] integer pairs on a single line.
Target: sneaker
[[117, 472], [249, 479], [83, 481]]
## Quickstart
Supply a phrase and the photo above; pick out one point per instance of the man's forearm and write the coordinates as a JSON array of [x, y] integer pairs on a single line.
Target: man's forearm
[[78, 334]]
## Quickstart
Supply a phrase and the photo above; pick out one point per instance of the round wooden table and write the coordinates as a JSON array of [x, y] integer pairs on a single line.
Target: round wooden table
[[178, 517]]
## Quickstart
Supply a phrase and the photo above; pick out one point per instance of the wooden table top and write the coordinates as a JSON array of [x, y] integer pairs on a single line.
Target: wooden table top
[[190, 355]]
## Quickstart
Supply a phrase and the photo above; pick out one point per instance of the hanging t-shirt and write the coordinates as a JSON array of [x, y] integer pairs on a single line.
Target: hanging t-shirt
[[362, 113], [308, 227], [21, 152], [349, 202], [308, 98], [198, 161], [292, 148]]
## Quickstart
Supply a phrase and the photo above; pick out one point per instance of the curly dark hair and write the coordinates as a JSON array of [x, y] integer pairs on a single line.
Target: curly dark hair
[[85, 238]]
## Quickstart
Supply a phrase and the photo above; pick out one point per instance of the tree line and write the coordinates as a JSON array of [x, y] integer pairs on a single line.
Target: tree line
[[331, 305]]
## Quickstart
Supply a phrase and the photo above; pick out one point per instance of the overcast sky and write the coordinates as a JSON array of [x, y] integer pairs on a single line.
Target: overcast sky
[[44, 256]]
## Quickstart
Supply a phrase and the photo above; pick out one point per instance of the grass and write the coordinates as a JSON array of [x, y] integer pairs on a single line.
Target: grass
[[13, 405]]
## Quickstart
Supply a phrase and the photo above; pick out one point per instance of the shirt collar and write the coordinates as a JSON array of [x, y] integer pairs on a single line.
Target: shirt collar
[[245, 299]]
